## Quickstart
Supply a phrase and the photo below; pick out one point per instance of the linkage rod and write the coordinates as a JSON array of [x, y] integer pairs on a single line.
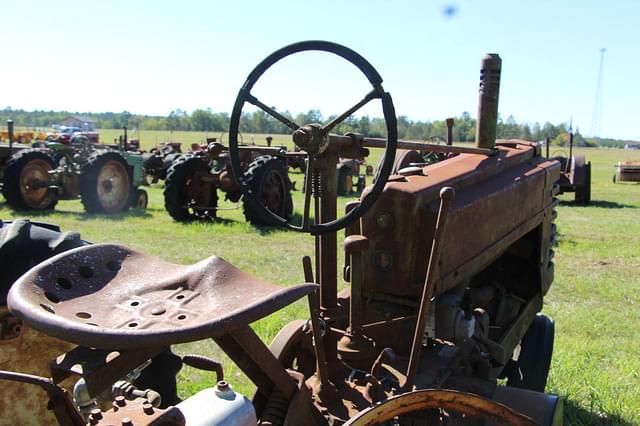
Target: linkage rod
[[418, 146]]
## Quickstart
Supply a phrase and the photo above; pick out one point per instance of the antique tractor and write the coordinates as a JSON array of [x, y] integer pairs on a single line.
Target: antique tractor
[[575, 175], [159, 159], [447, 268], [106, 179], [627, 171], [192, 181]]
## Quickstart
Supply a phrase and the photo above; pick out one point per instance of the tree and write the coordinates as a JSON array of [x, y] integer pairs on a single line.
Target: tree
[[202, 120]]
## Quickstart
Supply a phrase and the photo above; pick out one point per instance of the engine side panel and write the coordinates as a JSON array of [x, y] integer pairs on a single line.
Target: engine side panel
[[498, 200]]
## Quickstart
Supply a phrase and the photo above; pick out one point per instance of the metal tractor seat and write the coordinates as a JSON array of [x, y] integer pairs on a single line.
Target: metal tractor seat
[[108, 296]]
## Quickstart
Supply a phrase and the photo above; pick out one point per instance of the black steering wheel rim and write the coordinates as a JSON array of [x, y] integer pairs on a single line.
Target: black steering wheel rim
[[388, 109]]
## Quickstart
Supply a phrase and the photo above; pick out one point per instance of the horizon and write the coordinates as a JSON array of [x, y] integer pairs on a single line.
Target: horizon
[[567, 126]]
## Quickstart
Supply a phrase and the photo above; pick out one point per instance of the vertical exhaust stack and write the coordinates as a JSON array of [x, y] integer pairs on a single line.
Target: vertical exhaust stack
[[10, 132], [490, 70], [449, 122]]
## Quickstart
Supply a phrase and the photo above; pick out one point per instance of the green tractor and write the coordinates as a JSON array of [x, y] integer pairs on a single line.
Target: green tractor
[[105, 179]]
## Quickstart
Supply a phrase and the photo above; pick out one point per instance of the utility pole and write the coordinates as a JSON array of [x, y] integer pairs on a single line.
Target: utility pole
[[596, 118]]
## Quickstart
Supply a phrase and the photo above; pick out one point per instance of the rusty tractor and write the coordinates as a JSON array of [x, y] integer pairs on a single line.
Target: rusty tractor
[[192, 181], [159, 159], [105, 179], [627, 171], [446, 273], [575, 175]]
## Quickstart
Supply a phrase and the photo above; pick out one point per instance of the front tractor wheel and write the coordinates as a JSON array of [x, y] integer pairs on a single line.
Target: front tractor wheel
[[267, 177], [25, 178], [140, 199], [531, 369], [105, 184], [583, 191]]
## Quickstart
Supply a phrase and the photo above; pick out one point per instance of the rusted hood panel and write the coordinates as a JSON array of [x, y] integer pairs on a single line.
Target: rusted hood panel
[[494, 196]]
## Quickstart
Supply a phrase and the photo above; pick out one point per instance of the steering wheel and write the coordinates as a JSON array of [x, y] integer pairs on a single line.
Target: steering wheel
[[314, 138]]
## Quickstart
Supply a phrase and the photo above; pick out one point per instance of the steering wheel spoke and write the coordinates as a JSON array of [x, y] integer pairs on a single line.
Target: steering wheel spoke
[[374, 94], [272, 112]]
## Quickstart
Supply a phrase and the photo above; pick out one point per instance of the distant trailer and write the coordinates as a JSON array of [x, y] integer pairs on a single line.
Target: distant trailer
[[627, 171]]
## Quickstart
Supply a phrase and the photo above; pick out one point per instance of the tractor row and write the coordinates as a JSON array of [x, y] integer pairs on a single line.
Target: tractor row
[[107, 177]]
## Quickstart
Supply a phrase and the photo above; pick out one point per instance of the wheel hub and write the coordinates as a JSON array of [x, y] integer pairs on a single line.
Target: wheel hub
[[311, 139]]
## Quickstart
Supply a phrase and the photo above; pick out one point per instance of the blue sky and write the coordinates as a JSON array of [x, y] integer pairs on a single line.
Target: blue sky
[[152, 57]]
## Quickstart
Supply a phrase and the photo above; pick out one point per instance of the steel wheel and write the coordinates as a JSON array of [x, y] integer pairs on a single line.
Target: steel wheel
[[34, 196], [434, 407], [105, 183], [25, 178]]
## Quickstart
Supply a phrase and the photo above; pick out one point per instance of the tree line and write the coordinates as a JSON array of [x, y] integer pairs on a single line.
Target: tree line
[[260, 122]]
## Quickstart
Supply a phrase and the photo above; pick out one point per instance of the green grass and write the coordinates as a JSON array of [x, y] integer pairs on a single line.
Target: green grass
[[594, 299]]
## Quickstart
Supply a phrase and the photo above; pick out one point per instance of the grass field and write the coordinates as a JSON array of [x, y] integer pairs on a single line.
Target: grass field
[[594, 300]]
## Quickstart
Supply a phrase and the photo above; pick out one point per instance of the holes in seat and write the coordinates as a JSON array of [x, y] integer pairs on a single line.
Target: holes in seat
[[52, 297], [83, 315], [133, 324], [85, 271], [113, 265], [182, 317], [47, 308], [64, 283]]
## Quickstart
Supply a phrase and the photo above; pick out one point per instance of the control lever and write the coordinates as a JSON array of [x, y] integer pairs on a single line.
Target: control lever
[[446, 196], [204, 363]]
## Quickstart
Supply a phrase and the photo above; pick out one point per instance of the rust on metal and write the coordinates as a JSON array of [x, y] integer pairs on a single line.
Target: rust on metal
[[136, 412], [58, 401], [100, 368], [107, 296], [490, 71], [451, 401], [449, 123], [627, 171], [446, 197]]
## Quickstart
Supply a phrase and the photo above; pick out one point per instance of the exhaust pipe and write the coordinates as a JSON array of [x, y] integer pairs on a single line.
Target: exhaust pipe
[[449, 122], [10, 132], [491, 67]]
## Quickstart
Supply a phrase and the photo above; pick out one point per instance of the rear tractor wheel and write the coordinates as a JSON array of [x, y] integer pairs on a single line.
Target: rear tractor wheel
[[105, 184], [268, 178], [25, 178], [187, 196]]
